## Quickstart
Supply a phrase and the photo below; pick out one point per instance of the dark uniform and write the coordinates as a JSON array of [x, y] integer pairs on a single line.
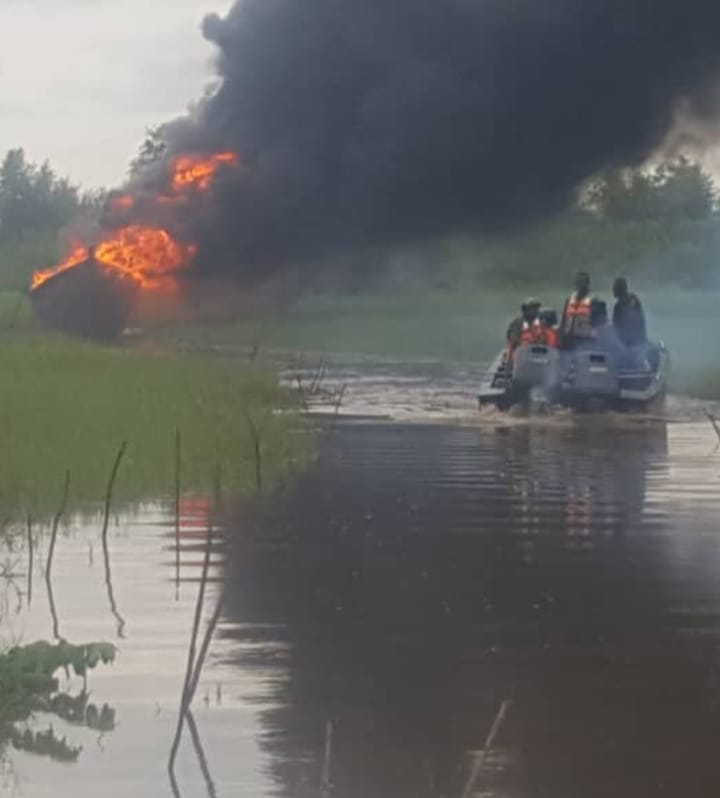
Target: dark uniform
[[628, 316]]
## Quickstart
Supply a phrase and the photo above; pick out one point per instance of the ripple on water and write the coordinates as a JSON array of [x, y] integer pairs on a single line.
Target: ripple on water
[[402, 590]]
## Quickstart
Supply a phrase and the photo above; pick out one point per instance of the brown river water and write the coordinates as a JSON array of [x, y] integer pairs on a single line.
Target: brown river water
[[461, 607]]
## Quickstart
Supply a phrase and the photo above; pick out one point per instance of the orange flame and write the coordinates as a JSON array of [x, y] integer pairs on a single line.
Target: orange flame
[[148, 255], [75, 258], [197, 171], [124, 202]]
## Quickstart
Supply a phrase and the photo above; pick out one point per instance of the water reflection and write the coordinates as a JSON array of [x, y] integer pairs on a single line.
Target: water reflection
[[433, 611], [120, 631], [420, 577]]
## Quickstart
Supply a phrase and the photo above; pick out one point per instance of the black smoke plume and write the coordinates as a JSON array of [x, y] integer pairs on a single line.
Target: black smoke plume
[[370, 123]]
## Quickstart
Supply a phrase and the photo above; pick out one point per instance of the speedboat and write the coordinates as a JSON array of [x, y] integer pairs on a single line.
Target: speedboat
[[591, 377]]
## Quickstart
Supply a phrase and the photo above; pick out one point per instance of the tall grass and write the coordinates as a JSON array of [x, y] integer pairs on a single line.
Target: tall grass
[[69, 405]]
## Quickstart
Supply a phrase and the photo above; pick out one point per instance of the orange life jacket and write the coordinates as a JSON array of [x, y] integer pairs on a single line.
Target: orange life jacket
[[537, 333], [576, 318], [551, 337]]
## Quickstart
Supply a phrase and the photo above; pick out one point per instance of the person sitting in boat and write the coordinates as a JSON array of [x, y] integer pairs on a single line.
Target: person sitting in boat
[[576, 326], [549, 324], [522, 329]]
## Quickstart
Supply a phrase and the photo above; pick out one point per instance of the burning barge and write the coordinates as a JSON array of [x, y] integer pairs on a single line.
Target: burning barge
[[87, 300], [94, 290]]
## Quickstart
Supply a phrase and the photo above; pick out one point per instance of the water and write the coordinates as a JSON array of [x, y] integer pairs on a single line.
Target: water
[[383, 609], [427, 391]]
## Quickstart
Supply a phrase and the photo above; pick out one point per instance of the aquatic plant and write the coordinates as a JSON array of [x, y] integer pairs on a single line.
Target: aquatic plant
[[28, 685]]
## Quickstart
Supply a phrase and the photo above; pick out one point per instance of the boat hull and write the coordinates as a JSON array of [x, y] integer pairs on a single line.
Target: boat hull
[[87, 301], [588, 379]]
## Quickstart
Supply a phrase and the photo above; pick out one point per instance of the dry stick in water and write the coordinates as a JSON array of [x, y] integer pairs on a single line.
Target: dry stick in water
[[256, 435], [204, 648], [175, 789], [51, 553], [714, 422], [178, 462], [318, 378], [111, 486], [340, 398], [192, 648], [301, 391], [200, 752], [481, 756], [31, 558], [326, 783], [106, 549], [192, 685]]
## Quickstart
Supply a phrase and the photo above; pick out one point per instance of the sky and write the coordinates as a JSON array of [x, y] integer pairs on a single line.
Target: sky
[[81, 80]]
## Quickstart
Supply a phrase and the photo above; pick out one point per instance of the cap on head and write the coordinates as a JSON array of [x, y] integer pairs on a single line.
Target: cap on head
[[531, 302]]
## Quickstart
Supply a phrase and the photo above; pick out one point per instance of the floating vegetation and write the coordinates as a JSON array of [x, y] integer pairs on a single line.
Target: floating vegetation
[[29, 685], [45, 743]]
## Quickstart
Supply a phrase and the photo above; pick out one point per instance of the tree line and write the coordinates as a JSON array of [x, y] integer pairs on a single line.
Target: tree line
[[665, 219], [34, 198], [674, 190]]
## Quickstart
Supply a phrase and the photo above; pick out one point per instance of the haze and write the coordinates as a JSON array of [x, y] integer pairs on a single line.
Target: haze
[[81, 80]]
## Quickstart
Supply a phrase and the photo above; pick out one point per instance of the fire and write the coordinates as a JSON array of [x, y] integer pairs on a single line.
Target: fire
[[78, 255], [148, 255], [124, 202], [197, 171]]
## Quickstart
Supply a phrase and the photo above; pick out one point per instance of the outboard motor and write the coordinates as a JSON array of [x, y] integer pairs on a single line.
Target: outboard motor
[[591, 378], [535, 366]]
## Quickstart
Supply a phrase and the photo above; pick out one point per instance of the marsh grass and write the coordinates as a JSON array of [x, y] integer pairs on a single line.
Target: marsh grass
[[65, 405]]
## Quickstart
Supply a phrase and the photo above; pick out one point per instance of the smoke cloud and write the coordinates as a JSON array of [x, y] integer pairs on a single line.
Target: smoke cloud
[[366, 123]]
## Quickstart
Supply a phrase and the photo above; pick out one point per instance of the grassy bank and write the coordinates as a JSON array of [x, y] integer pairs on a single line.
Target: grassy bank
[[69, 405]]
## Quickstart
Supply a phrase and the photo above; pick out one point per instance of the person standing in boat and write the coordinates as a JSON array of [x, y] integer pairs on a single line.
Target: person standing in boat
[[576, 322], [628, 315]]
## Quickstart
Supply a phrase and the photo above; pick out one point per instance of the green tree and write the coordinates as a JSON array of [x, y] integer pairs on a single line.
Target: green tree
[[33, 198], [683, 190], [675, 190]]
